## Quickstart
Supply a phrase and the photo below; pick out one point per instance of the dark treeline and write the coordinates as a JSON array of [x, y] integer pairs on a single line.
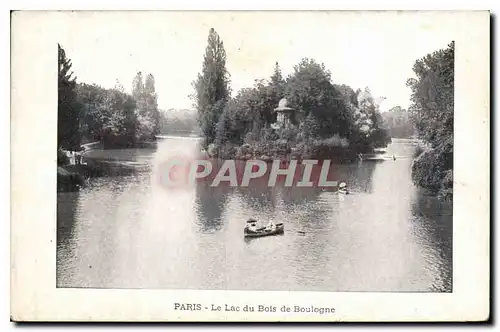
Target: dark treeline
[[399, 123], [329, 119], [68, 109], [432, 113], [89, 113]]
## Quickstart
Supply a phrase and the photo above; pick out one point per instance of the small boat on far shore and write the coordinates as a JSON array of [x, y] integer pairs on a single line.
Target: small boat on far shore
[[265, 231]]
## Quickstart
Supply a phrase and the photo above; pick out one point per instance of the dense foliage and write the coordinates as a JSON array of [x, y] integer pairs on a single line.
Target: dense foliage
[[68, 109], [92, 113], [108, 115], [399, 123], [147, 113], [328, 118], [212, 86], [432, 112]]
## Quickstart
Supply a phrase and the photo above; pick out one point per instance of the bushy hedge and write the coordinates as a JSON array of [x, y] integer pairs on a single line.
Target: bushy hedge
[[431, 170]]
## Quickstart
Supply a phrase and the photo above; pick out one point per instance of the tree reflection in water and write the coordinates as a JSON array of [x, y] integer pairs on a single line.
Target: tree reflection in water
[[433, 229], [67, 207], [210, 205]]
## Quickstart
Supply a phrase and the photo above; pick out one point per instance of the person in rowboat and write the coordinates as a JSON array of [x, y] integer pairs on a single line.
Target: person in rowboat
[[251, 225], [343, 188], [271, 226]]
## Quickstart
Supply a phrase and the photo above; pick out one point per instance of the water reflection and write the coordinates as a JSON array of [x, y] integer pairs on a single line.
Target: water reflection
[[67, 207], [132, 232], [433, 230], [360, 177], [210, 204]]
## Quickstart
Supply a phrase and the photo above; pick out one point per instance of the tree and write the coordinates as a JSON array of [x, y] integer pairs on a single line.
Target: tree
[[398, 123], [147, 113], [274, 92], [310, 127], [349, 95], [149, 86], [126, 106], [370, 121], [137, 86], [277, 83], [152, 103], [432, 113], [108, 115], [309, 90], [433, 95], [212, 87], [68, 109], [91, 97], [120, 122], [251, 111]]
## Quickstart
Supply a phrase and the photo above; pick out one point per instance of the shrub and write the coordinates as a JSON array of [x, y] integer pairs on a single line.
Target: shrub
[[427, 171], [419, 149], [62, 158], [446, 190], [333, 142]]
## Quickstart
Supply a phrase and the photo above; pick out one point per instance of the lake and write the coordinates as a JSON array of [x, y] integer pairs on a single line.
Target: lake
[[132, 232]]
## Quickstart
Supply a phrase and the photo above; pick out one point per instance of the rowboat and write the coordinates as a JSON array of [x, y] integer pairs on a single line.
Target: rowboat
[[264, 231]]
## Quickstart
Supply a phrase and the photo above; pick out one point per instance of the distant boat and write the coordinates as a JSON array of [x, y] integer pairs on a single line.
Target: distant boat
[[372, 157], [380, 150], [190, 137], [264, 231]]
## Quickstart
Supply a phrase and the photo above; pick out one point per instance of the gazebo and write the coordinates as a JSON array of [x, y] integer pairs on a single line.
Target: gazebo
[[284, 113]]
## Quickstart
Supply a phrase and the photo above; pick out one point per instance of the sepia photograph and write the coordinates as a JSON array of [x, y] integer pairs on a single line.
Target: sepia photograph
[[263, 152], [305, 168]]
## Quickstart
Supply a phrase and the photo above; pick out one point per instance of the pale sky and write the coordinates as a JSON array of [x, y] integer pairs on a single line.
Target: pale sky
[[360, 49]]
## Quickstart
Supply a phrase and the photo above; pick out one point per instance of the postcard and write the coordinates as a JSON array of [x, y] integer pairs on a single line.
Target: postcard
[[250, 166]]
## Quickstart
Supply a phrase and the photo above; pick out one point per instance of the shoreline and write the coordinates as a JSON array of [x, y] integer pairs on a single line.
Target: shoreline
[[72, 177]]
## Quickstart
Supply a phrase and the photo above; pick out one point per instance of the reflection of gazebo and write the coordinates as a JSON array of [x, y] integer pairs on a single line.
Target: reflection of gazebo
[[284, 113]]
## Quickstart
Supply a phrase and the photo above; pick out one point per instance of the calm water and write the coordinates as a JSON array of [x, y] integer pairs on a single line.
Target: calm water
[[130, 232]]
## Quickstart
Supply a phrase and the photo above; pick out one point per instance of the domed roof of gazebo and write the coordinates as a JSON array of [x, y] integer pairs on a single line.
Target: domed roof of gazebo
[[283, 106]]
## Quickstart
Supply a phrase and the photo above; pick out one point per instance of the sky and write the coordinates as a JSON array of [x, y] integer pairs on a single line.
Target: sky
[[361, 49]]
